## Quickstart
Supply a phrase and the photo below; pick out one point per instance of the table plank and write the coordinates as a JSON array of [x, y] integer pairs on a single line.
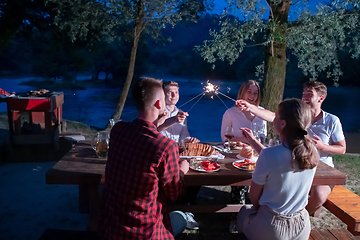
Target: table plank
[[81, 166], [322, 234]]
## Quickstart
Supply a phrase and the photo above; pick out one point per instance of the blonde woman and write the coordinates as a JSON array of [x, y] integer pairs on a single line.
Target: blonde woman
[[239, 116]]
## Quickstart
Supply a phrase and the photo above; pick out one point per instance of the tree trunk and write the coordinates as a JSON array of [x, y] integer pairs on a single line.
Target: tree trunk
[[138, 28], [275, 60]]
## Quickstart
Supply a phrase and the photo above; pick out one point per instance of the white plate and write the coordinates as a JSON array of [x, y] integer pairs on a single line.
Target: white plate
[[241, 168], [253, 159], [201, 169], [211, 158], [235, 146]]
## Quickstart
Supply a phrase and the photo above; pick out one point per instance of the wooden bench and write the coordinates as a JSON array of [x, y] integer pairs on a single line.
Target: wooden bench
[[345, 205], [60, 234], [322, 234]]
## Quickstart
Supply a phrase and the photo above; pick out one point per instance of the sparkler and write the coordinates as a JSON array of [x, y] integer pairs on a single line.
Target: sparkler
[[209, 88], [222, 101], [196, 102], [191, 99], [213, 88], [226, 96]]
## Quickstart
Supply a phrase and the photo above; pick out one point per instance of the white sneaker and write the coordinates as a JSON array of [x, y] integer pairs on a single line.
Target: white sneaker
[[191, 223], [232, 227]]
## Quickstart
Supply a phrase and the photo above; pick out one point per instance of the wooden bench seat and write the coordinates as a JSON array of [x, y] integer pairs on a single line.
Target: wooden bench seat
[[345, 205], [61, 234], [322, 234]]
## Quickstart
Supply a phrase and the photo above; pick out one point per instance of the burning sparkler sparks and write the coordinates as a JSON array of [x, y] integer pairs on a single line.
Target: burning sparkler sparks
[[214, 88], [209, 88]]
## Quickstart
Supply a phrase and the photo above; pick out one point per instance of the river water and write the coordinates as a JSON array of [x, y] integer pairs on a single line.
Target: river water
[[94, 106]]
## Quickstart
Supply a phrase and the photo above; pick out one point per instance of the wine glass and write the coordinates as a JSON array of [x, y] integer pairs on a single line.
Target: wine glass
[[101, 144], [181, 145], [229, 134], [258, 129], [113, 121]]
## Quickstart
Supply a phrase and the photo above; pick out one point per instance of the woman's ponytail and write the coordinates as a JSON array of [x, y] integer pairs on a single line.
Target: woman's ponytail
[[297, 116]]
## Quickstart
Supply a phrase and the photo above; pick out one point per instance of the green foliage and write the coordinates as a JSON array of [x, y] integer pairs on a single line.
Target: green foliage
[[85, 20], [94, 19], [233, 37], [315, 39]]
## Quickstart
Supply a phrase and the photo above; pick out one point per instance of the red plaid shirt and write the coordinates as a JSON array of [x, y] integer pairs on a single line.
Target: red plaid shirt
[[142, 171]]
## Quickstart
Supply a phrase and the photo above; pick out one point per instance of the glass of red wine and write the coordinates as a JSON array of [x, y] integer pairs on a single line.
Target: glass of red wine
[[229, 134]]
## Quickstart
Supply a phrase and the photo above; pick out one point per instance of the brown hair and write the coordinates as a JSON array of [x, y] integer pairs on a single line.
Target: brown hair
[[144, 91], [170, 83], [297, 116], [318, 86], [245, 86]]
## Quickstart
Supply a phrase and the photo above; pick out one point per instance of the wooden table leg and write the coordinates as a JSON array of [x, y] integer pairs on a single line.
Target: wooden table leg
[[83, 199], [94, 207]]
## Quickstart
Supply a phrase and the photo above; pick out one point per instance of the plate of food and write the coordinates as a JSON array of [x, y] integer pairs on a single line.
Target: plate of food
[[236, 144], [203, 165], [253, 159], [247, 152], [245, 165]]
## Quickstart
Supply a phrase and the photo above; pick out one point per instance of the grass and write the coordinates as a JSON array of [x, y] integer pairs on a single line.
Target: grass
[[350, 165]]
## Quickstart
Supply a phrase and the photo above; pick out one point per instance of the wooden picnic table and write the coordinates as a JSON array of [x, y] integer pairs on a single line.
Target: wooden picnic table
[[80, 166]]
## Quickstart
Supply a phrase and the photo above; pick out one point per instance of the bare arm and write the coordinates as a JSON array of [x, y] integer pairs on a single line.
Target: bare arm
[[263, 114], [336, 148], [252, 140], [168, 122], [180, 117], [255, 194]]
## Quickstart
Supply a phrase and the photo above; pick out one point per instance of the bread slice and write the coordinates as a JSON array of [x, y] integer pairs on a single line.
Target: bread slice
[[197, 149]]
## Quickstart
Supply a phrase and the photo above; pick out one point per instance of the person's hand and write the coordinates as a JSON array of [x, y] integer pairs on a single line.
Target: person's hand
[[162, 118], [318, 142], [184, 166], [181, 116], [248, 134], [244, 105], [192, 140]]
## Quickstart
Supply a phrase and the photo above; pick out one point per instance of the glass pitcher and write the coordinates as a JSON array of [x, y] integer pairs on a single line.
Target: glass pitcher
[[101, 144]]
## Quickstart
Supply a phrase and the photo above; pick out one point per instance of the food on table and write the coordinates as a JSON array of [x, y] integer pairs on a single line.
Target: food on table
[[232, 144], [197, 149], [209, 165], [247, 152], [246, 164], [204, 165]]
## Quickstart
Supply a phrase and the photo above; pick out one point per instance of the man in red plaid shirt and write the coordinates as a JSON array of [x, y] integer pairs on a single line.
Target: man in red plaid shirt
[[142, 171]]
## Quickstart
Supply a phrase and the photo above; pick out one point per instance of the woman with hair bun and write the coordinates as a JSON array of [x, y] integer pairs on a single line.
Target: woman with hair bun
[[282, 178]]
